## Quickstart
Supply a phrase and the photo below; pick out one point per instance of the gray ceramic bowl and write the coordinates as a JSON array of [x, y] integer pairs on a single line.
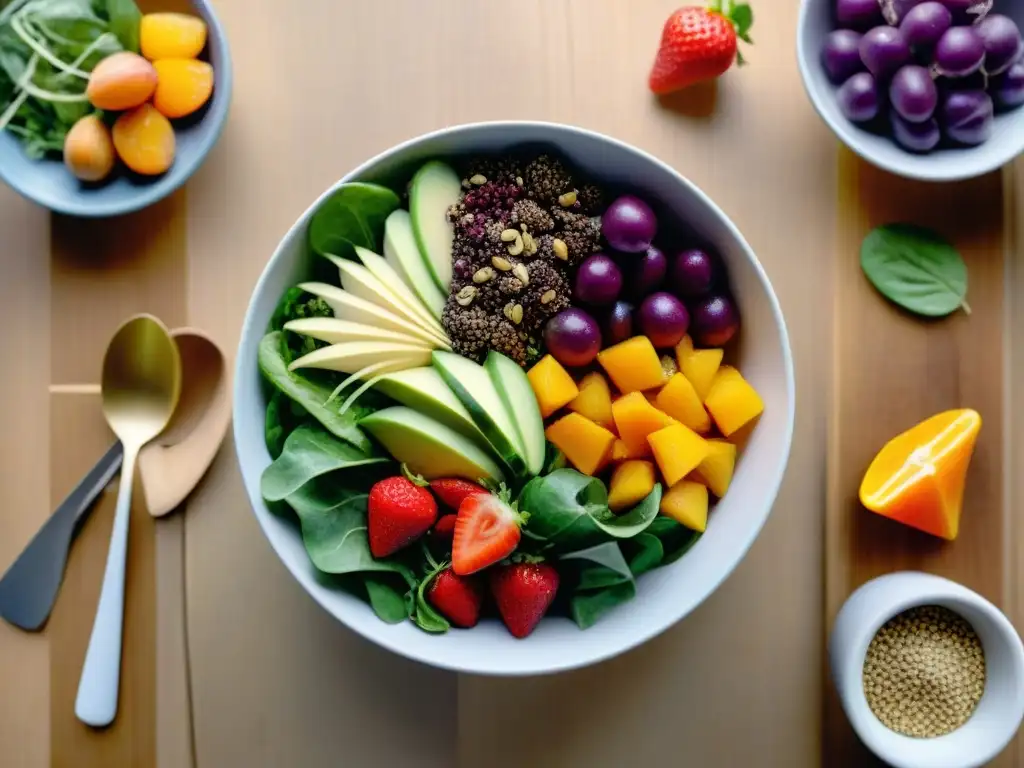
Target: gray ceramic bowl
[[49, 183], [1007, 141]]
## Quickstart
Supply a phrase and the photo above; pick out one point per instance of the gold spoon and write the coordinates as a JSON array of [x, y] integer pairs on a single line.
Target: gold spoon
[[140, 386]]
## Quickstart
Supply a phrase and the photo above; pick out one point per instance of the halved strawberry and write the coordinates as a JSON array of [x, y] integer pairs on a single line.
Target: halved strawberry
[[486, 531], [454, 490]]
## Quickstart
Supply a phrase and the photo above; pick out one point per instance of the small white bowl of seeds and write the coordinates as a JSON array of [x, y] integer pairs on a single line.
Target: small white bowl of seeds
[[929, 673]]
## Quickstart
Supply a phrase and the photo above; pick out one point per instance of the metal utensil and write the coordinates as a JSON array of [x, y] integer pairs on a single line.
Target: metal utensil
[[140, 386], [29, 587]]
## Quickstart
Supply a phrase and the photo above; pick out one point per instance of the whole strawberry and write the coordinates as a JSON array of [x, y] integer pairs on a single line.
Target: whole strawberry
[[398, 513], [458, 598], [454, 490], [699, 44], [523, 592]]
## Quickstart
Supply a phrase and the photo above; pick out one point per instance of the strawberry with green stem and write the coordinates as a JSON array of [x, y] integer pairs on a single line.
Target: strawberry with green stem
[[699, 44]]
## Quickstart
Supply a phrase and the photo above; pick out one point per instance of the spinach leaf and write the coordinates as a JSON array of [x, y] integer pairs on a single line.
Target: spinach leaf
[[309, 452], [676, 539], [387, 600], [425, 617], [644, 552], [603, 580], [353, 215], [312, 396], [587, 607], [283, 417], [125, 18], [334, 531], [570, 511], [915, 268], [553, 459]]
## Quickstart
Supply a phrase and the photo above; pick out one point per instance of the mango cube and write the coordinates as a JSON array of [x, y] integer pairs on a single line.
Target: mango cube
[[552, 385], [585, 444], [635, 418], [594, 400], [633, 365], [732, 402], [678, 450], [631, 482], [717, 468], [619, 451], [699, 366], [679, 400], [686, 502]]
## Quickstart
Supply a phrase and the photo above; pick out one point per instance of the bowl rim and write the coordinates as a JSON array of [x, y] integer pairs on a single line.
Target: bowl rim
[[159, 188], [845, 131], [245, 368]]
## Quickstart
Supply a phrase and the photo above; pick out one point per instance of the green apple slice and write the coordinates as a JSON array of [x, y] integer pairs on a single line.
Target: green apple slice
[[423, 390], [474, 388], [347, 306], [428, 447], [521, 404], [384, 272], [434, 189], [351, 356], [403, 255]]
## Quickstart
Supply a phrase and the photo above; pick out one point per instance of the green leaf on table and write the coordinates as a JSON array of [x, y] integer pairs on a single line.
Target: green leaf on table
[[309, 452], [353, 215], [125, 19], [915, 268]]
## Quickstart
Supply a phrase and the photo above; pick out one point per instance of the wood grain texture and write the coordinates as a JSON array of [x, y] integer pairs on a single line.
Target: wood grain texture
[[891, 370]]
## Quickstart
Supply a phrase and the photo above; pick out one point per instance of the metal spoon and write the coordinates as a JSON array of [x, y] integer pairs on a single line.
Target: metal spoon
[[140, 386]]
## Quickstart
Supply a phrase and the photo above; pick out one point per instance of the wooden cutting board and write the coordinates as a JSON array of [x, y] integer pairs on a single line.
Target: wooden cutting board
[[892, 369]]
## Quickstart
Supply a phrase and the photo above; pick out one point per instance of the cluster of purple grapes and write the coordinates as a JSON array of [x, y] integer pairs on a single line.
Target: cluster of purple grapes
[[641, 291], [943, 67]]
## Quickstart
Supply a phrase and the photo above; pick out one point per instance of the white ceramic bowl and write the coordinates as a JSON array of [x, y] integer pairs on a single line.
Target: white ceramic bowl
[[1001, 708], [816, 20], [665, 595]]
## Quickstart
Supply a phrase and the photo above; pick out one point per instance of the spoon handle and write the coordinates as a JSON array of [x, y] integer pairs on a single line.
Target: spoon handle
[[96, 704]]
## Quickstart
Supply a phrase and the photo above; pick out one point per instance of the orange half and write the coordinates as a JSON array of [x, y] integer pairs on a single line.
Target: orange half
[[918, 477]]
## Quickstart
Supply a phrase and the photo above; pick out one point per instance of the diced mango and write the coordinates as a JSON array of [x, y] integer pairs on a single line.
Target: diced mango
[[631, 482], [552, 385], [717, 468], [679, 400], [594, 400], [678, 450], [698, 365], [686, 502], [732, 402], [635, 419], [171, 36], [633, 365], [585, 444], [619, 451]]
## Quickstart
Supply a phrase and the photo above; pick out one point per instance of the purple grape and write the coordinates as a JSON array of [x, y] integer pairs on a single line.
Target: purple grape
[[715, 321], [883, 50], [968, 11], [858, 98], [966, 117], [924, 24], [693, 273], [629, 225], [645, 273], [663, 319], [840, 56], [858, 14], [913, 94], [573, 337], [618, 323], [1008, 88], [598, 280], [959, 52], [1002, 42], [916, 137]]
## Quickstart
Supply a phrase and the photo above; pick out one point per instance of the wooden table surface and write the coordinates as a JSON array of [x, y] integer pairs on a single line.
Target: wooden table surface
[[319, 86]]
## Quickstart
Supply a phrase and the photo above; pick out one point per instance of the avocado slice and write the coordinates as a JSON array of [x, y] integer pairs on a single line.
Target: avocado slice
[[423, 390], [521, 404], [352, 356], [473, 386], [404, 256], [335, 331], [348, 306], [428, 447], [434, 189], [384, 272]]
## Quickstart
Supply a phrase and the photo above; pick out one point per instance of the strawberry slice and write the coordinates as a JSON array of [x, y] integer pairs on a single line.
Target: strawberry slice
[[486, 531]]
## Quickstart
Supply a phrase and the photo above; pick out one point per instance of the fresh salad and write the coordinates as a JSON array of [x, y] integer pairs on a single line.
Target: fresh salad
[[98, 82], [495, 392]]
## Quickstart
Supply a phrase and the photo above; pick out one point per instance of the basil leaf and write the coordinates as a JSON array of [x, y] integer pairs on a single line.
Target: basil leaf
[[915, 268], [387, 601], [353, 215]]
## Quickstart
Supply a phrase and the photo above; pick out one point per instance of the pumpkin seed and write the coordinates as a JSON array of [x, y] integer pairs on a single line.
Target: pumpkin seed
[[548, 296], [466, 295], [483, 274], [503, 264], [561, 249]]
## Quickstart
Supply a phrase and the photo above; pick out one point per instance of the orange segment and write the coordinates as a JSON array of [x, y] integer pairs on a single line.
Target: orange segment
[[918, 477]]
